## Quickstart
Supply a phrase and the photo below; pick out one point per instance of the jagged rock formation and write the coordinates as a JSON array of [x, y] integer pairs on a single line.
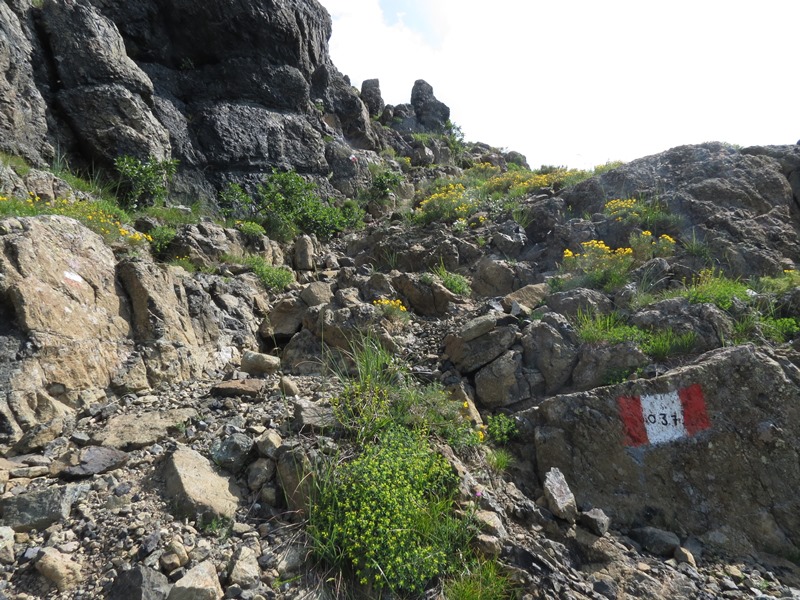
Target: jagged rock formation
[[92, 81], [142, 405]]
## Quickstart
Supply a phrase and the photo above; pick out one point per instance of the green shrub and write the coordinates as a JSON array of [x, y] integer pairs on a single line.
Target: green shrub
[[651, 215], [251, 230], [288, 205], [458, 284], [499, 460], [363, 408], [144, 182], [387, 515], [162, 237], [779, 330], [598, 266], [501, 428], [272, 278]]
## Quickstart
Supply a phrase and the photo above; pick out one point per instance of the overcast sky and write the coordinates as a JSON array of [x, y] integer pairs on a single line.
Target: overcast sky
[[581, 82]]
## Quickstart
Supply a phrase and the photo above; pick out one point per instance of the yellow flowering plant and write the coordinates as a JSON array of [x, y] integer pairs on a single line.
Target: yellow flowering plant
[[598, 265]]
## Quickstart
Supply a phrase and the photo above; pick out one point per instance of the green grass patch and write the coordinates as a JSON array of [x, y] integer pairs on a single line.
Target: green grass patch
[[713, 287], [458, 284], [593, 328], [665, 343], [480, 580], [272, 278]]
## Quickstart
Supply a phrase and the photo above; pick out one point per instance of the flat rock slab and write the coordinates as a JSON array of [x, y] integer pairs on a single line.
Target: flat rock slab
[[195, 487], [94, 460], [249, 388], [41, 508], [129, 432]]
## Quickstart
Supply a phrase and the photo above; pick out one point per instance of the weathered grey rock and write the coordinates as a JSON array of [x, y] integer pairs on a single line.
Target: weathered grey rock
[[490, 523], [529, 296], [194, 487], [292, 559], [595, 520], [580, 300], [493, 277], [427, 299], [477, 327], [245, 571], [23, 125], [257, 363], [288, 387], [131, 431], [611, 461], [551, 346], [682, 555], [469, 356], [39, 509], [657, 541], [200, 583], [506, 381], [247, 388], [284, 320], [600, 364], [59, 568], [711, 326], [140, 583], [431, 114], [560, 499], [268, 444], [294, 468], [312, 416], [93, 461], [510, 239], [63, 298], [317, 292], [233, 452], [7, 545], [260, 472], [304, 253], [371, 96]]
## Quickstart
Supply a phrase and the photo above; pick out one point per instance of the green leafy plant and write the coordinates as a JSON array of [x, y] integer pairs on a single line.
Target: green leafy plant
[[162, 237], [649, 214], [501, 428], [272, 278], [144, 182], [250, 230], [18, 164], [287, 205], [597, 265], [387, 515], [458, 284]]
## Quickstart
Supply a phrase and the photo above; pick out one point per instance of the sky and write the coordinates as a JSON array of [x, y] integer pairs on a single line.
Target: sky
[[578, 83]]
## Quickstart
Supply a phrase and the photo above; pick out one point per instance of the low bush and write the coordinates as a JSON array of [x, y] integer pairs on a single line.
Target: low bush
[[598, 266], [144, 182], [458, 284], [387, 516]]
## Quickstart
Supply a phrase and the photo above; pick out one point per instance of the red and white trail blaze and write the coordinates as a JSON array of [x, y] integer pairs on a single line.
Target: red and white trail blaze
[[660, 418]]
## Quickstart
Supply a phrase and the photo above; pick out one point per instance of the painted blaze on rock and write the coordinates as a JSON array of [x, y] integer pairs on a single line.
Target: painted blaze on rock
[[660, 418]]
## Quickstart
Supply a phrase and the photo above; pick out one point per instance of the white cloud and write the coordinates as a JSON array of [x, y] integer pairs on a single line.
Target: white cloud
[[579, 82]]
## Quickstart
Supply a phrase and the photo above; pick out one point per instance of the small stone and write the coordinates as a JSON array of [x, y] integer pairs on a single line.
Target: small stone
[[657, 541], [312, 416], [260, 472], [269, 443], [95, 460], [487, 545], [682, 555], [560, 499], [200, 583], [291, 560], [139, 583], [59, 569], [247, 388], [233, 452], [288, 387], [245, 571], [490, 523], [6, 545], [595, 520], [256, 363]]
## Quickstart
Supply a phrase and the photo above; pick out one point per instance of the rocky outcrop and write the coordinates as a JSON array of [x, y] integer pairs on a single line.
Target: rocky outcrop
[[703, 450]]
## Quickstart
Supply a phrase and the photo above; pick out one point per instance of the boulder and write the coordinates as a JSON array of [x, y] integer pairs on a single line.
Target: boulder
[[667, 452], [200, 583], [139, 583], [41, 508], [551, 346], [427, 299], [505, 381], [195, 488], [257, 363], [470, 355], [560, 499], [59, 568]]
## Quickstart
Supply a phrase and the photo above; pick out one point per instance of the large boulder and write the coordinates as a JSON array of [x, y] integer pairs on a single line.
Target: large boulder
[[706, 449], [65, 321]]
